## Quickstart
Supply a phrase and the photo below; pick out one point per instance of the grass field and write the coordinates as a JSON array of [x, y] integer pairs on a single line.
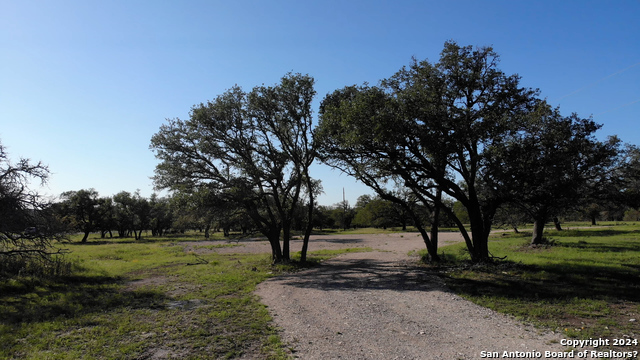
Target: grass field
[[144, 299], [585, 284], [154, 299]]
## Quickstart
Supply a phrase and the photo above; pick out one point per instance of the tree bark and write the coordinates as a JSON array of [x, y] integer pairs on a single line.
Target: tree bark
[[538, 231], [435, 222], [307, 232], [286, 235], [479, 250]]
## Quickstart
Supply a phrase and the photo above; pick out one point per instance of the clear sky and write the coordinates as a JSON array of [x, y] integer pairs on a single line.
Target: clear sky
[[85, 84]]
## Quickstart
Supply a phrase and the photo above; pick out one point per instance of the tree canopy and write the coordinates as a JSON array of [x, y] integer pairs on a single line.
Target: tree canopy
[[551, 165], [255, 148], [428, 127]]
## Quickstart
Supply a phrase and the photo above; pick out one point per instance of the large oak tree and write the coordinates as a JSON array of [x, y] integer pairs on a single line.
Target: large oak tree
[[255, 148], [427, 128]]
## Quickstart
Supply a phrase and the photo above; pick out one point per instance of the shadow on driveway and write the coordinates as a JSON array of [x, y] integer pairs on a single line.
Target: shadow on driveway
[[349, 272]]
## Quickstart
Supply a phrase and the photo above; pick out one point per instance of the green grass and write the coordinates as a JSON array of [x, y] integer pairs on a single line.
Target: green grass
[[586, 283], [128, 299]]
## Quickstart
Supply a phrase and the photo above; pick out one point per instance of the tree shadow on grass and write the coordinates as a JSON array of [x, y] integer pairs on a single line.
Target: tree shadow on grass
[[614, 246], [69, 297], [552, 282], [586, 233]]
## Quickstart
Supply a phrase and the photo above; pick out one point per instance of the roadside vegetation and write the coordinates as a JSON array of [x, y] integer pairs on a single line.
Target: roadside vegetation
[[145, 299], [583, 283]]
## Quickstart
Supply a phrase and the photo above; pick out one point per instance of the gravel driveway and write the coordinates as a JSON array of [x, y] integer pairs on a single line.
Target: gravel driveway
[[379, 305]]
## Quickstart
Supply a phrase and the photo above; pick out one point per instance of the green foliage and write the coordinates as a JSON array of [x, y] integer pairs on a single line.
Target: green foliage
[[253, 149], [427, 128], [553, 164]]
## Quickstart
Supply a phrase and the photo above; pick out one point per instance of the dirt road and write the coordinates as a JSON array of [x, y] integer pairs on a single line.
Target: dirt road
[[380, 305]]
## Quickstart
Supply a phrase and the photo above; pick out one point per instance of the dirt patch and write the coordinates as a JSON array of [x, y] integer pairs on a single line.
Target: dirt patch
[[153, 281], [396, 242]]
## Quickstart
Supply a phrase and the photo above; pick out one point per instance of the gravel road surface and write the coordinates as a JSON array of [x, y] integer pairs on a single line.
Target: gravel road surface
[[380, 305]]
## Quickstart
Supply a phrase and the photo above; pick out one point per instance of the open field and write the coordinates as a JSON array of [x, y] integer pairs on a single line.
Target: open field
[[147, 300], [184, 297]]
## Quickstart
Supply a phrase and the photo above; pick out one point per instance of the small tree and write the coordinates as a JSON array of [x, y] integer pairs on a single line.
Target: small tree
[[81, 210], [161, 215], [124, 213], [106, 216]]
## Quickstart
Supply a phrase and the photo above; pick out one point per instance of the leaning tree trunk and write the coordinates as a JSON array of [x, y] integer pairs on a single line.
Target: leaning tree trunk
[[432, 249], [435, 222], [85, 237], [556, 223]]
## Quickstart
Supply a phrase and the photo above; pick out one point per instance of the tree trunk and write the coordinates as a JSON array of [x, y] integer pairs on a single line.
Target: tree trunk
[[307, 232], [286, 235], [556, 223], [593, 220], [538, 231], [85, 237], [435, 222], [276, 251], [479, 250], [206, 231], [431, 250]]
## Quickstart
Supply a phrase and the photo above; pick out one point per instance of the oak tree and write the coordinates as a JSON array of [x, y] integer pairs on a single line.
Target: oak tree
[[427, 128], [255, 147]]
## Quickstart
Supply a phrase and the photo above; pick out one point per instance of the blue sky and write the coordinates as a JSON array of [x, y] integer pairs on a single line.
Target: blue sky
[[85, 84]]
